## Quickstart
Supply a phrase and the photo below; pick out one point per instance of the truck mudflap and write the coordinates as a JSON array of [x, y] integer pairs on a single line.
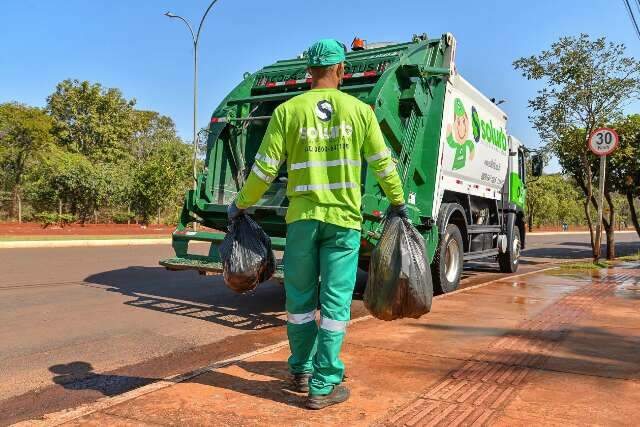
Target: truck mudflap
[[209, 265]]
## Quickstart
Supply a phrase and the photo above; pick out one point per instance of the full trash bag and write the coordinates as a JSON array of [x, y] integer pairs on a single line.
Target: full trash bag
[[246, 254], [399, 283]]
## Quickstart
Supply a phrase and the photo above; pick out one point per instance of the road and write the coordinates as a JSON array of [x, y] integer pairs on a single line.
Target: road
[[68, 312]]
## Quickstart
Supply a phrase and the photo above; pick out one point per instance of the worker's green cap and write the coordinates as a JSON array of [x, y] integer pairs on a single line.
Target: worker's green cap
[[326, 52], [458, 108]]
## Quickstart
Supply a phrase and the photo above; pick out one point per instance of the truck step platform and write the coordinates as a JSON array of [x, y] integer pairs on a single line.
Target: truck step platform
[[207, 266]]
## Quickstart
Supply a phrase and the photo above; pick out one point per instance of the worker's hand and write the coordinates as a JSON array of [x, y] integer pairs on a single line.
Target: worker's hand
[[233, 211], [400, 210]]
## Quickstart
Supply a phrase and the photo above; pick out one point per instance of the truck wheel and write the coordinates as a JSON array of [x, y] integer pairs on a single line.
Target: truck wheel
[[447, 262], [510, 260]]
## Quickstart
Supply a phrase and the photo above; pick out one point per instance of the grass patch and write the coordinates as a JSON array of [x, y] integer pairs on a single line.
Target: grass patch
[[635, 257], [585, 265], [603, 263]]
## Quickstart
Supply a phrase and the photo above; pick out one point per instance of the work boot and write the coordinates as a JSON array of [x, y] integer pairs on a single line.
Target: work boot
[[300, 382], [339, 394]]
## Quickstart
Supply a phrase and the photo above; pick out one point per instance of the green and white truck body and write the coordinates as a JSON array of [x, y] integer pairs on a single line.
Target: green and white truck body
[[462, 173]]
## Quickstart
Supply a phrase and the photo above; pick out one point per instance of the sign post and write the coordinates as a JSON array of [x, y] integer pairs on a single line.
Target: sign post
[[602, 142]]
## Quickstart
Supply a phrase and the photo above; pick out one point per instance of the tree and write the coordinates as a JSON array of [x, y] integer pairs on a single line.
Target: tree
[[588, 83], [624, 172], [24, 132], [160, 180], [91, 120], [544, 207]]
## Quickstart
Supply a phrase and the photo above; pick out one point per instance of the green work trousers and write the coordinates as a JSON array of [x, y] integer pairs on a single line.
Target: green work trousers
[[320, 255]]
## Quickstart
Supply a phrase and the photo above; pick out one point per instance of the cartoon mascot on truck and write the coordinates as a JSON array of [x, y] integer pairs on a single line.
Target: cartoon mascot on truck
[[457, 136]]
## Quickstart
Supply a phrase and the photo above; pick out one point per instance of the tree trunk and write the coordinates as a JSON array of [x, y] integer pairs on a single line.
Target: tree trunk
[[19, 197], [60, 207], [610, 228], [587, 187], [158, 215], [530, 220], [128, 214], [632, 210]]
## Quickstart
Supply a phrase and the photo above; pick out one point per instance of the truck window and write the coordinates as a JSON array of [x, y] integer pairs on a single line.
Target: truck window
[[521, 167]]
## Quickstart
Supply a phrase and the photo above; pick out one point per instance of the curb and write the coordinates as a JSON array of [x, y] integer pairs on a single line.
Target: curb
[[67, 415], [30, 244]]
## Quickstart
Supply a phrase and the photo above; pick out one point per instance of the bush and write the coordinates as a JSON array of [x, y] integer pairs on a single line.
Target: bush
[[123, 217], [51, 218]]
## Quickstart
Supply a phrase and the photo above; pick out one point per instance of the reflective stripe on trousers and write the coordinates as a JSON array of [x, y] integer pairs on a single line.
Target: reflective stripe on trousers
[[299, 319], [330, 186], [333, 325]]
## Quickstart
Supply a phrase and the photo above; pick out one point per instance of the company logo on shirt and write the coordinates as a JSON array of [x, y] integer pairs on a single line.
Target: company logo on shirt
[[324, 110]]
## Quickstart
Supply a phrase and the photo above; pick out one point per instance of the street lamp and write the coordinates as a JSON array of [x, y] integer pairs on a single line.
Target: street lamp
[[195, 38]]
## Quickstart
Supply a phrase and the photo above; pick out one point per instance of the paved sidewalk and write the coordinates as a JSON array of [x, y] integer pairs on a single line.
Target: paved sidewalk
[[545, 349]]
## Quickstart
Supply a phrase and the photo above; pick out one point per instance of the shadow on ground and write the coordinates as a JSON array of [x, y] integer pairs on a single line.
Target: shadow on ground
[[577, 349], [78, 376], [198, 297]]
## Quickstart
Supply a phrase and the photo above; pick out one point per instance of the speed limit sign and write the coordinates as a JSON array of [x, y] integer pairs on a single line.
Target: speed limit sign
[[603, 141]]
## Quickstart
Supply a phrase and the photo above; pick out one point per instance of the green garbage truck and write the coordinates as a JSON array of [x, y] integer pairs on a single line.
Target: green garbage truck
[[463, 174]]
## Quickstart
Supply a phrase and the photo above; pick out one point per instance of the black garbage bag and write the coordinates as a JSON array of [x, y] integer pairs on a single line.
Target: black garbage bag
[[246, 255], [399, 283]]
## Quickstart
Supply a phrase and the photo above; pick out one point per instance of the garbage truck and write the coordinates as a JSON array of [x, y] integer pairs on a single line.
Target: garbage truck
[[463, 174]]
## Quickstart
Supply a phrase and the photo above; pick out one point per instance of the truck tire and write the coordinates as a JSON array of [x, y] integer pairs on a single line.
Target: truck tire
[[510, 260], [447, 263]]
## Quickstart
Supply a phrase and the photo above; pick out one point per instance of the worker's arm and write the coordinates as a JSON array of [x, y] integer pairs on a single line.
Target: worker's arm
[[379, 159], [270, 156]]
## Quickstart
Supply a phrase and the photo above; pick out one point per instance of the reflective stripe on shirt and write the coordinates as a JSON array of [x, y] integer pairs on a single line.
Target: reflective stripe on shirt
[[331, 186], [333, 325], [298, 319], [378, 156], [327, 163], [263, 176], [267, 159], [387, 170]]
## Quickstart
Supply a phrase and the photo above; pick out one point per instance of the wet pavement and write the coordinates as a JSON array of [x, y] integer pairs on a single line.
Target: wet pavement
[[553, 348]]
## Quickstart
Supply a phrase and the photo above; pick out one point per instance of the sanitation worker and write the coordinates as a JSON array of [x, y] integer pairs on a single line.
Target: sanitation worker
[[324, 135]]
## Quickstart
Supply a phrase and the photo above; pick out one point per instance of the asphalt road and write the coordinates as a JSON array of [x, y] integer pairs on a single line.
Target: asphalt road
[[77, 324]]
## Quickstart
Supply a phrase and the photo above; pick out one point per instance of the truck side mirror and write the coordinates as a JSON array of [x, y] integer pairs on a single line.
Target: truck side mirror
[[537, 164]]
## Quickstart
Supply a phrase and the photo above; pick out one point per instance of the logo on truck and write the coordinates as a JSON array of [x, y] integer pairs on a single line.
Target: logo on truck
[[457, 136], [458, 132]]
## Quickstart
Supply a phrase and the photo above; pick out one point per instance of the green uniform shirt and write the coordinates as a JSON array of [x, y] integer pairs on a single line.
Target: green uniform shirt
[[460, 158], [323, 135]]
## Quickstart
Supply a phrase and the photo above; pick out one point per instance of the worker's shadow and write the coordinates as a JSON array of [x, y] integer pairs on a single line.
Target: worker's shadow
[[262, 379], [80, 376], [188, 294]]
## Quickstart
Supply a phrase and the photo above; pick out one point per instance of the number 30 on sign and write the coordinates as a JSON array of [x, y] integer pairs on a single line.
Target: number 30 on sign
[[603, 141]]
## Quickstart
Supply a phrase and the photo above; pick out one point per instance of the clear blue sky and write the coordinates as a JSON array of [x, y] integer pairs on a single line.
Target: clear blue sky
[[132, 46]]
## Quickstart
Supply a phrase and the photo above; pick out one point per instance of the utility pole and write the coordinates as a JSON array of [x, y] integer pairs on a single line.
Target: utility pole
[[195, 37]]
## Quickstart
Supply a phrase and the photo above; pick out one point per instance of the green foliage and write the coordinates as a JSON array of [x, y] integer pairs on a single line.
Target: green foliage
[[552, 200], [122, 217], [91, 153], [25, 133], [91, 120], [588, 82], [160, 181], [54, 218]]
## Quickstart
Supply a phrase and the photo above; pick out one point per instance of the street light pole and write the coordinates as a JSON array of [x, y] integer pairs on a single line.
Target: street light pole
[[195, 38]]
